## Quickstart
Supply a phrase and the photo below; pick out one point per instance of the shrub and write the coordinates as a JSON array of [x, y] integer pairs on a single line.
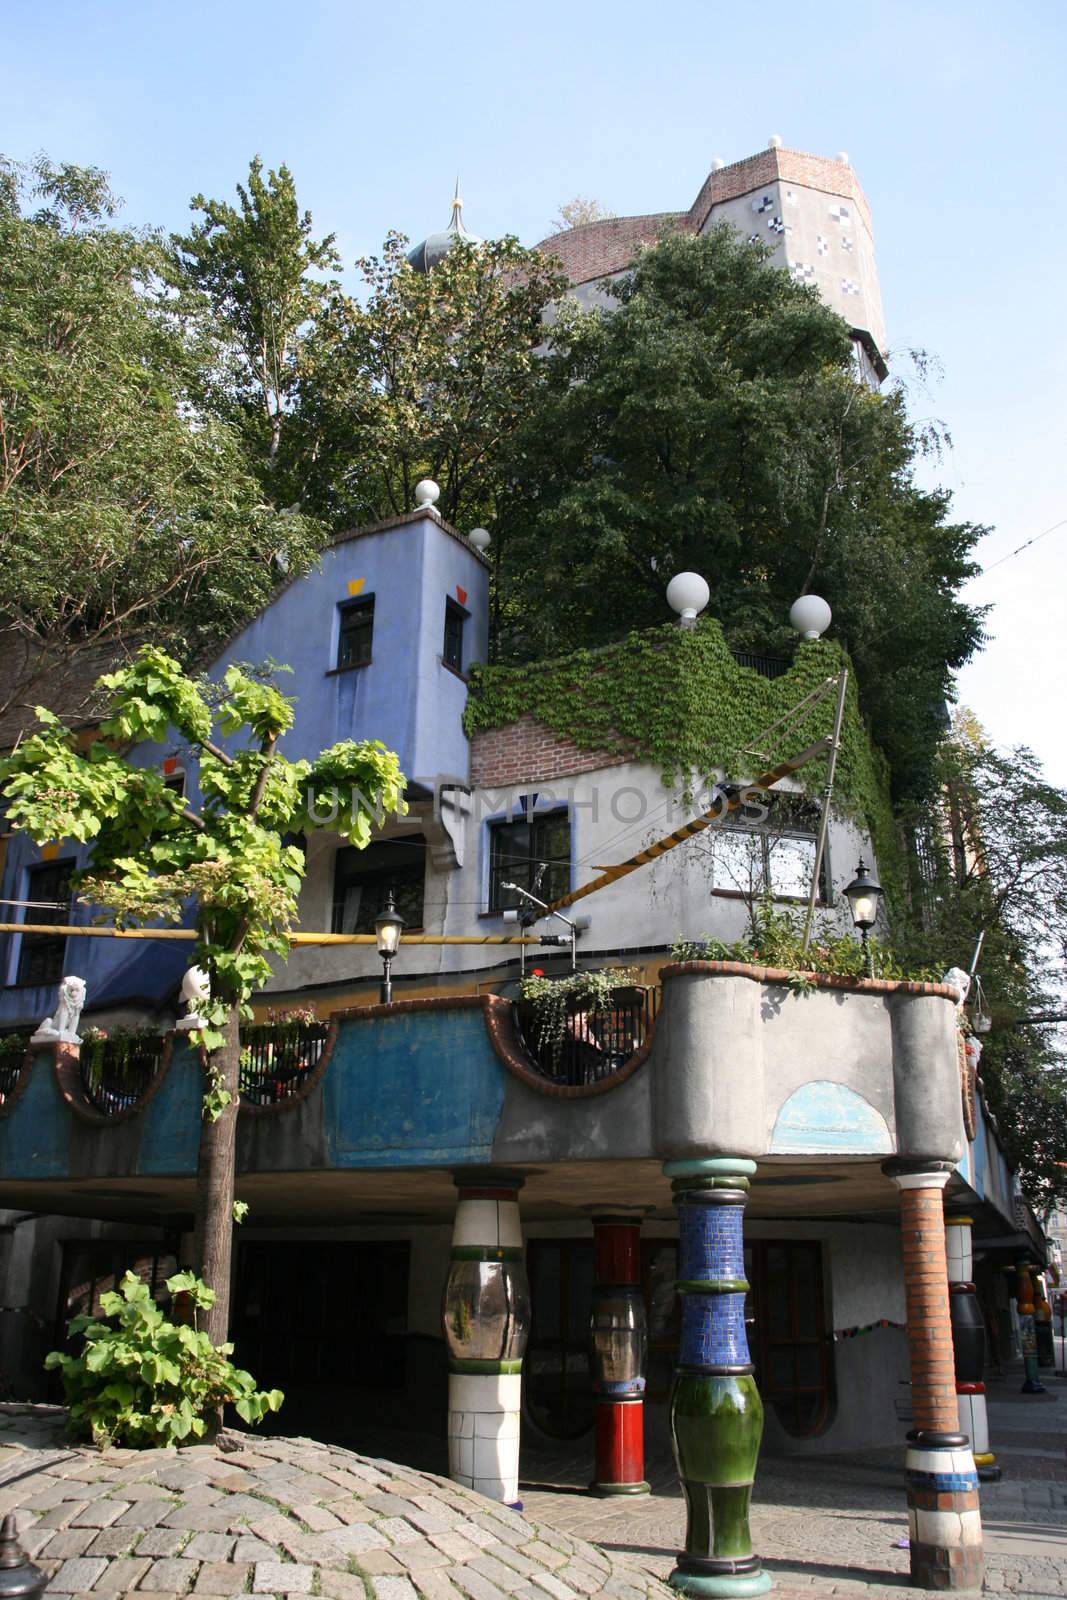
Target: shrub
[[144, 1381]]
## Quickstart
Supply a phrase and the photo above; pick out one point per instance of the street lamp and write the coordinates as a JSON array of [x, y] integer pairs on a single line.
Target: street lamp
[[863, 895], [388, 926]]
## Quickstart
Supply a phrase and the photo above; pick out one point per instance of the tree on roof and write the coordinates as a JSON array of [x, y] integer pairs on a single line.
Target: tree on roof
[[714, 422], [577, 212], [256, 265], [127, 507], [155, 853]]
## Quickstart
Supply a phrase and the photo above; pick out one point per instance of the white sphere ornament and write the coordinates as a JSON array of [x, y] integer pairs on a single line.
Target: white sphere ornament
[[688, 593], [480, 538], [427, 493], [810, 616]]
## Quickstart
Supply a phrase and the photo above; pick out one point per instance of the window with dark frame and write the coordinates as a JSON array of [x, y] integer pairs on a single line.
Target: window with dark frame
[[41, 954], [175, 782], [362, 880], [452, 653], [773, 854], [356, 634], [533, 852]]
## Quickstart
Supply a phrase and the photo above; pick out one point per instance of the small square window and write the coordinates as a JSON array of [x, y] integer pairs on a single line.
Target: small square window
[[535, 854], [455, 617], [175, 782], [356, 634]]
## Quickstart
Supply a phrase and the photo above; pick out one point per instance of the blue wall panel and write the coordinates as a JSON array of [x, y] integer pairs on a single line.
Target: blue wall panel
[[170, 1142], [411, 1089]]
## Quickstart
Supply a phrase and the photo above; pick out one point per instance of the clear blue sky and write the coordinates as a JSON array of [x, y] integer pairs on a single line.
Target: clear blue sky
[[952, 115]]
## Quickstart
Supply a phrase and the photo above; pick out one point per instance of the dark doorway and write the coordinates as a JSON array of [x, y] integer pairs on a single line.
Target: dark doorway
[[326, 1323]]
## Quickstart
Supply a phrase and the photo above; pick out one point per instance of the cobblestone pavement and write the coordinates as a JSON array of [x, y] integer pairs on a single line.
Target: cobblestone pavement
[[832, 1525], [278, 1517]]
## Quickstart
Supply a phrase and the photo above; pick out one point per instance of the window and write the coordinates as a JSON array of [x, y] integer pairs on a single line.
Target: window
[[533, 852], [356, 635], [362, 880], [175, 782], [773, 855], [788, 1335], [452, 653], [41, 954]]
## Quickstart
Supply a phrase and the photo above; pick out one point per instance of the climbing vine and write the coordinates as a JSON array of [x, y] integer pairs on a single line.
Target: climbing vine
[[677, 699]]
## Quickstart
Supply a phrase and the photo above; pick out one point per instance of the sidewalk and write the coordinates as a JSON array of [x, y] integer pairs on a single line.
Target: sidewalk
[[831, 1526], [271, 1516]]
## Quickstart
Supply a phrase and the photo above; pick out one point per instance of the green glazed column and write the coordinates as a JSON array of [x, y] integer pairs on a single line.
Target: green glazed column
[[716, 1415]]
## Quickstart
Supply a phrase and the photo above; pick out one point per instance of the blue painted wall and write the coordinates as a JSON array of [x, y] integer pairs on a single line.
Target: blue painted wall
[[411, 1090], [406, 697]]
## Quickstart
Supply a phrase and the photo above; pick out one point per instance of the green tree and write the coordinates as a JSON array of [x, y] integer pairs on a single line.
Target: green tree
[[995, 855], [255, 265], [153, 853], [126, 510], [430, 376], [713, 421]]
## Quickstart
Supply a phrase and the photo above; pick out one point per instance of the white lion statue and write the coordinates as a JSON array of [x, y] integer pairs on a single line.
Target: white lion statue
[[63, 1026], [959, 980], [196, 989]]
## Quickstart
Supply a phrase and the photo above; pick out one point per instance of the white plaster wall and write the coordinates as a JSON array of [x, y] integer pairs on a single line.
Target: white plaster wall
[[615, 811]]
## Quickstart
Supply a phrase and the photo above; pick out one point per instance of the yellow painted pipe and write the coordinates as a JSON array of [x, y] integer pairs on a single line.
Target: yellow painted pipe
[[294, 938]]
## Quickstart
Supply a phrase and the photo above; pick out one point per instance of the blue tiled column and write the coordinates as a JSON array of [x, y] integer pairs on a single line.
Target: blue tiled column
[[716, 1415]]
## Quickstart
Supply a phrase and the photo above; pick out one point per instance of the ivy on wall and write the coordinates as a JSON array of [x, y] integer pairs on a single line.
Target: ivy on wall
[[677, 699]]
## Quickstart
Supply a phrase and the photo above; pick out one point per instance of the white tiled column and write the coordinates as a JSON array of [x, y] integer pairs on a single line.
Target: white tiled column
[[486, 1323]]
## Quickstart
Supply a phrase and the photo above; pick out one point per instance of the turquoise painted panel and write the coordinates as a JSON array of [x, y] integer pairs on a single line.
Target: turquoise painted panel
[[34, 1139], [411, 1090], [170, 1142], [825, 1118]]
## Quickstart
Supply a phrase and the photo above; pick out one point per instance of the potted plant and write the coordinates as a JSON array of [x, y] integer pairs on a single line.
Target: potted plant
[[563, 1009]]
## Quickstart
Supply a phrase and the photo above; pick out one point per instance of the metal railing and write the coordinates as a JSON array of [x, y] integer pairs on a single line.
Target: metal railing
[[116, 1071], [598, 1042], [13, 1048], [766, 666], [276, 1058]]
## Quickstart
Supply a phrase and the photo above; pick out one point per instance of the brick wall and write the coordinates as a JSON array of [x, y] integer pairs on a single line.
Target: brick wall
[[933, 1372], [528, 752]]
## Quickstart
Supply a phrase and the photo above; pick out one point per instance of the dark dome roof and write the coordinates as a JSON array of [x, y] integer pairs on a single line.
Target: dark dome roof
[[436, 246]]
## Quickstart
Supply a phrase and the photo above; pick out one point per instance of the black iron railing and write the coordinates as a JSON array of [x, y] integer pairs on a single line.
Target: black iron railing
[[116, 1071], [766, 666], [276, 1058], [12, 1059], [597, 1042]]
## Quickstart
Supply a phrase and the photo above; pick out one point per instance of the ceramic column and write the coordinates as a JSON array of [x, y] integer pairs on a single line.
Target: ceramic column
[[486, 1316], [619, 1340], [1024, 1305], [716, 1416], [944, 1521], [968, 1345]]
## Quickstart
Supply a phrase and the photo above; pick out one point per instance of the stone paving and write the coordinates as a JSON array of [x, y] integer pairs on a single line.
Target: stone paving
[[269, 1516], [278, 1517], [834, 1525]]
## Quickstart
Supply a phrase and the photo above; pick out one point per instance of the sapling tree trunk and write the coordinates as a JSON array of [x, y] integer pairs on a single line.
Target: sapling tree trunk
[[215, 1180]]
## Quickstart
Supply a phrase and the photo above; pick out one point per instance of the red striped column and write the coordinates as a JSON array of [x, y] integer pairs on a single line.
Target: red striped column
[[619, 1339]]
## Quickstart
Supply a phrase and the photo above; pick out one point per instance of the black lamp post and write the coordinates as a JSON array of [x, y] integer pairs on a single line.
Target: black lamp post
[[863, 895], [18, 1575], [388, 926]]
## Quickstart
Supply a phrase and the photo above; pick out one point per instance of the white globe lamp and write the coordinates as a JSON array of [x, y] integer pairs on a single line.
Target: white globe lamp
[[480, 538], [426, 493], [688, 593], [810, 616]]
